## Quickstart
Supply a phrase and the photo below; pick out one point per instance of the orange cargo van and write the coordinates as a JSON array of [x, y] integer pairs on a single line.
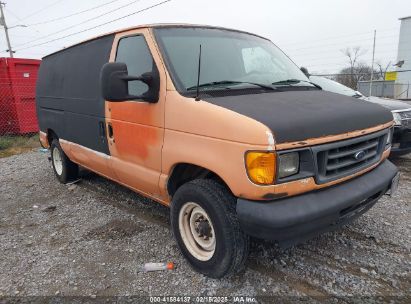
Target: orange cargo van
[[222, 127]]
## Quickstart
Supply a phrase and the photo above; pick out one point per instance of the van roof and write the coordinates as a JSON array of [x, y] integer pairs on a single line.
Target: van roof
[[155, 25]]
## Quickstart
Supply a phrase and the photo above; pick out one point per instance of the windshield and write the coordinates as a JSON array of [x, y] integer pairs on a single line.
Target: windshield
[[333, 86], [228, 58]]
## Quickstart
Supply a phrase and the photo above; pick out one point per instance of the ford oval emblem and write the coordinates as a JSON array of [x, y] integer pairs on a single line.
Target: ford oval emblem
[[359, 155]]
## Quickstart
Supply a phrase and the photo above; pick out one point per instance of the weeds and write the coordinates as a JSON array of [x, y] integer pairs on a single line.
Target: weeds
[[13, 144]]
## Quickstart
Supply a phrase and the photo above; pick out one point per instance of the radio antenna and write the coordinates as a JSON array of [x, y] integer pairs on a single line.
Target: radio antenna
[[198, 76]]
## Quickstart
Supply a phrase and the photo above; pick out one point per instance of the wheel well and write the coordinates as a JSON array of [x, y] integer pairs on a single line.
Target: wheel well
[[183, 173], [51, 135]]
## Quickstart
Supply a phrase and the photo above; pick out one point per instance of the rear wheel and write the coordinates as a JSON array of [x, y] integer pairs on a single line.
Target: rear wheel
[[206, 228], [64, 169]]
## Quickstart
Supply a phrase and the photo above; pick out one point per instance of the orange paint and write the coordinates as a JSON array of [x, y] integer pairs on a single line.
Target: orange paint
[[88, 158], [43, 140], [133, 111], [66, 146], [331, 138], [133, 142], [138, 130], [99, 163]]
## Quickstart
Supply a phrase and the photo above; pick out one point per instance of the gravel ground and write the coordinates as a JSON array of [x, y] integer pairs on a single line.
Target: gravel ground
[[90, 238]]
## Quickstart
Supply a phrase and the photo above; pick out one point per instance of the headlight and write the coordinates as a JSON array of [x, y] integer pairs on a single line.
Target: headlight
[[397, 118], [288, 164], [261, 167]]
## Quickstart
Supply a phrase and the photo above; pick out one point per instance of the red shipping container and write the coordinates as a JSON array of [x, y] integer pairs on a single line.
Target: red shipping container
[[17, 95]]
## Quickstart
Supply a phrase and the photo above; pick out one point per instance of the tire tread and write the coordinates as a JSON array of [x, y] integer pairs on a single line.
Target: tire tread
[[225, 201]]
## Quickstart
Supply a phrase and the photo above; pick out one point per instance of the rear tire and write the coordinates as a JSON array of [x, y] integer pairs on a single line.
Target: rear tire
[[206, 228], [64, 169]]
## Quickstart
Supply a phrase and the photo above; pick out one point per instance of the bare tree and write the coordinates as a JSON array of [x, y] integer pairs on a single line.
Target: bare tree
[[382, 69], [356, 71], [351, 76], [353, 55]]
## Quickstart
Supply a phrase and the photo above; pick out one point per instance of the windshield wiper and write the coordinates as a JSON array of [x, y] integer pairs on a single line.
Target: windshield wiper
[[294, 81], [231, 82]]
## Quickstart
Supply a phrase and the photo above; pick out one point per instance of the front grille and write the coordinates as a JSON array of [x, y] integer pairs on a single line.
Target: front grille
[[405, 118], [343, 158]]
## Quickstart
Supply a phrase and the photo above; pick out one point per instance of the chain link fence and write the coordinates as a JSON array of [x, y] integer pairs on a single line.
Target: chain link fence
[[18, 120], [388, 89], [381, 87]]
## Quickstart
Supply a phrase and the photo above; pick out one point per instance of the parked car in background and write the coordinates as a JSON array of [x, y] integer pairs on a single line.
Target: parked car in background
[[401, 111]]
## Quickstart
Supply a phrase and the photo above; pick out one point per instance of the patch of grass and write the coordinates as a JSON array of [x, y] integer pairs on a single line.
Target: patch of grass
[[13, 144]]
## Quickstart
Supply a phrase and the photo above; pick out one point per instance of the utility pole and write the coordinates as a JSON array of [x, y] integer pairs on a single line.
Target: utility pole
[[372, 63], [3, 23]]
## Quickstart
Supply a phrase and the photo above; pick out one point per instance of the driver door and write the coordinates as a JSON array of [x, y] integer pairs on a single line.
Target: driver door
[[135, 128]]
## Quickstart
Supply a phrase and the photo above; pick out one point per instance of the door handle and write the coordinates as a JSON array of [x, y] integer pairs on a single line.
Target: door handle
[[110, 131], [102, 131]]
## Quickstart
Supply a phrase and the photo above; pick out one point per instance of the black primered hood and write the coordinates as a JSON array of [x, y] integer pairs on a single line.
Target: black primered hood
[[300, 115]]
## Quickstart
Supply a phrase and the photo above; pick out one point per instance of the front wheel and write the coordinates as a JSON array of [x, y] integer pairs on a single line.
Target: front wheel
[[205, 225]]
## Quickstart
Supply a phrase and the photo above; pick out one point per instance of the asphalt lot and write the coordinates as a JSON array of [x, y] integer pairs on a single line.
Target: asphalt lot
[[89, 239]]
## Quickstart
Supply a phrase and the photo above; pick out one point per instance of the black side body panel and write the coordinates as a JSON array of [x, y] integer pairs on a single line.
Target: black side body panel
[[68, 93], [300, 115]]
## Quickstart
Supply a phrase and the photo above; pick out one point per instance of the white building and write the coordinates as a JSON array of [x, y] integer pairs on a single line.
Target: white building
[[403, 81]]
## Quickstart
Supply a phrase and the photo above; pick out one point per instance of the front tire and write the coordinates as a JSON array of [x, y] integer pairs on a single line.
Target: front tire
[[64, 169], [206, 228]]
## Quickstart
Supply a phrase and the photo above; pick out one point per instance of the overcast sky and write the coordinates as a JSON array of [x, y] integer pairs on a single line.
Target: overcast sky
[[311, 32]]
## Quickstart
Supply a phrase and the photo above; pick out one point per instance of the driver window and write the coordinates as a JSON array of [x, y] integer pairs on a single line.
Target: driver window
[[134, 52]]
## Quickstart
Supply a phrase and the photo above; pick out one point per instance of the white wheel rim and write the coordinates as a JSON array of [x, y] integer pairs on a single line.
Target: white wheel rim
[[57, 162], [197, 231]]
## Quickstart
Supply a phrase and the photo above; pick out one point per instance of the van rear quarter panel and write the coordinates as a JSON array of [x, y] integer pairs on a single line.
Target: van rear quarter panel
[[68, 95]]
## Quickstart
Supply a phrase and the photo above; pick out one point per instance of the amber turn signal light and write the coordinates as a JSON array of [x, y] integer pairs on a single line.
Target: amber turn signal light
[[261, 167]]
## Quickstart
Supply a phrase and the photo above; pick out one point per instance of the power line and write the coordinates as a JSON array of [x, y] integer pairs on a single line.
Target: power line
[[43, 9], [316, 55], [354, 74], [18, 18], [97, 26], [336, 61], [332, 60], [83, 22], [13, 14], [73, 14], [342, 42], [381, 48], [335, 65], [338, 37], [330, 53]]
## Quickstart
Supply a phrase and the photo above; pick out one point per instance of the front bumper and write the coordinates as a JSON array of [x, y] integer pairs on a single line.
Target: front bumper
[[295, 219], [401, 143]]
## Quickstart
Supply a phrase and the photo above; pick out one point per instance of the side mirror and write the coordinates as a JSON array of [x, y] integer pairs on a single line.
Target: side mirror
[[114, 80]]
